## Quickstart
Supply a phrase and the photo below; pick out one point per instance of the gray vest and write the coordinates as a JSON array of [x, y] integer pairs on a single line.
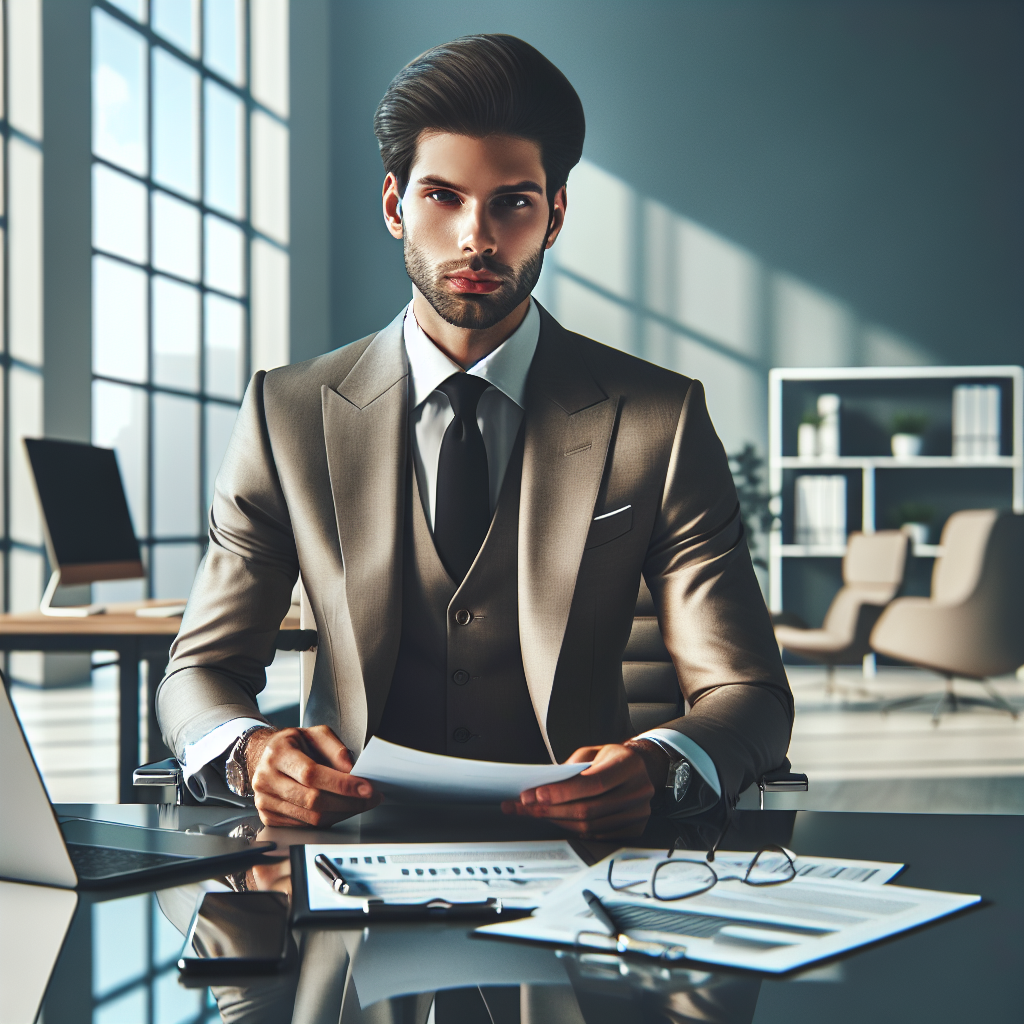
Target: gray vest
[[459, 687]]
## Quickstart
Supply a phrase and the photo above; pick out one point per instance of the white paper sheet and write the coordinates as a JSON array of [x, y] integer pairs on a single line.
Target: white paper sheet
[[517, 873], [771, 929], [406, 774]]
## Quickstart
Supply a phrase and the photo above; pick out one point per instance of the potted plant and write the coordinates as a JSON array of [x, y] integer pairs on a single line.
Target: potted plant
[[807, 435], [907, 428], [914, 519]]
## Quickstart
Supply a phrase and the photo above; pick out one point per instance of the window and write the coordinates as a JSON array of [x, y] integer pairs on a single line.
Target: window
[[190, 251]]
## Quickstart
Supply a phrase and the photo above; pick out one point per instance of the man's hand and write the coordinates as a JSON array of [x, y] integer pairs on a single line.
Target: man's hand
[[611, 799], [303, 777]]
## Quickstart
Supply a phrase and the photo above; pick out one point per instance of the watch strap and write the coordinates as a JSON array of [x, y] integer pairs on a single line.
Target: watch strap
[[236, 771]]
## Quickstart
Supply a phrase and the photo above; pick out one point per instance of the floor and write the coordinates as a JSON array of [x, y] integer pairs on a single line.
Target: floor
[[856, 756]]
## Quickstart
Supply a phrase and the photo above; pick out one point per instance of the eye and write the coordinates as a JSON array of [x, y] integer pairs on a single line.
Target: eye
[[443, 196], [513, 202]]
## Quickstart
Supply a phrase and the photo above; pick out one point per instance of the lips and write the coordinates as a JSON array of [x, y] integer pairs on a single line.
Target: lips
[[473, 283]]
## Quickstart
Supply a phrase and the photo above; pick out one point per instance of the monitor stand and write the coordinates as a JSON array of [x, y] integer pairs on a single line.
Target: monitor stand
[[72, 611]]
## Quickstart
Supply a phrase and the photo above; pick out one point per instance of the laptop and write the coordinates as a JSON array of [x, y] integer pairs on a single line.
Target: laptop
[[78, 853]]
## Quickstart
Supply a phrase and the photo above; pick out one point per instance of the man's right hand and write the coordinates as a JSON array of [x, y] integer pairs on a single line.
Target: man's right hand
[[303, 777]]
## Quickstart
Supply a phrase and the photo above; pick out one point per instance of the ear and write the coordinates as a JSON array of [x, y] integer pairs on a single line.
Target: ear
[[392, 201], [559, 205]]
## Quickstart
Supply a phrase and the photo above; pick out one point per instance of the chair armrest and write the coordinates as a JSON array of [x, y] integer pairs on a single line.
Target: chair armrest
[[167, 772], [782, 780], [296, 640]]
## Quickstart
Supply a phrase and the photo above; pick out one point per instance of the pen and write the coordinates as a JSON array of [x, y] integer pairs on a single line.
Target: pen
[[598, 909], [332, 874], [625, 943]]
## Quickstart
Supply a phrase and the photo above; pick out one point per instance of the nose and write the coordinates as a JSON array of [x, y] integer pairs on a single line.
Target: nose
[[476, 235]]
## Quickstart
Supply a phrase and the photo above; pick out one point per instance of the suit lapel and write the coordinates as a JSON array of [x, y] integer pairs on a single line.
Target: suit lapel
[[569, 425], [365, 429]]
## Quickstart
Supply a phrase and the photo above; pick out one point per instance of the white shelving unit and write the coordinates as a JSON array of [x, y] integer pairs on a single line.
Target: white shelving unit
[[867, 465]]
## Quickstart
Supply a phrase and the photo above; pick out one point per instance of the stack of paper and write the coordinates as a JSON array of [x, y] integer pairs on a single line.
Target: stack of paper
[[821, 510], [976, 420], [830, 907]]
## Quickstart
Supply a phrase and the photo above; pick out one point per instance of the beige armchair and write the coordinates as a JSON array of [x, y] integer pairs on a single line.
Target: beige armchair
[[972, 626], [873, 569]]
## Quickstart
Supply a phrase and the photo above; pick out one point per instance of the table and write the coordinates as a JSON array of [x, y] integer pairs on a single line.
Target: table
[[122, 948], [135, 638]]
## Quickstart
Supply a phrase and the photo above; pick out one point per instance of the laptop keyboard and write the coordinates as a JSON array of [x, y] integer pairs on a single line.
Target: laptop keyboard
[[101, 862]]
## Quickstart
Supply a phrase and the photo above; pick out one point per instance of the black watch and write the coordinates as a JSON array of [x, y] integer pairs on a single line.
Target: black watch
[[236, 774]]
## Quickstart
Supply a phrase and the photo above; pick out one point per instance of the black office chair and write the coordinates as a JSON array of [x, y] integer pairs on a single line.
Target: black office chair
[[652, 690]]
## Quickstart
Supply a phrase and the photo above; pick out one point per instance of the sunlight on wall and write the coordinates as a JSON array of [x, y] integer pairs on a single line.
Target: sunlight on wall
[[632, 273]]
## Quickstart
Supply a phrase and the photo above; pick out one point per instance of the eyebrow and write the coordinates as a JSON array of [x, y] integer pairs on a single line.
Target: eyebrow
[[501, 190]]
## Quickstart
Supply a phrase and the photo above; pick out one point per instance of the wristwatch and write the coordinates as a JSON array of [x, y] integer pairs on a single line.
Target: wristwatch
[[236, 774], [680, 773]]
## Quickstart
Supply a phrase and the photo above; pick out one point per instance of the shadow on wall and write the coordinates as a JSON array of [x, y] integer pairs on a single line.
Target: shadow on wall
[[632, 273]]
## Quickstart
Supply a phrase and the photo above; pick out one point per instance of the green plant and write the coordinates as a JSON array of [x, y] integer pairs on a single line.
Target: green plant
[[912, 512], [746, 467], [811, 417], [909, 423]]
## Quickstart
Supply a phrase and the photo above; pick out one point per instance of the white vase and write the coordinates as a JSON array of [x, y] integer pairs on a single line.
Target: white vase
[[906, 446], [806, 441], [828, 432]]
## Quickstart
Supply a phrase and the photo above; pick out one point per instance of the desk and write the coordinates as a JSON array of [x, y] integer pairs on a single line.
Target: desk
[[960, 969], [135, 638]]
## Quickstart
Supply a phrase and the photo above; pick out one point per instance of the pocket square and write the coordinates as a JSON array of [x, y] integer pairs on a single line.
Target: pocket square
[[608, 526]]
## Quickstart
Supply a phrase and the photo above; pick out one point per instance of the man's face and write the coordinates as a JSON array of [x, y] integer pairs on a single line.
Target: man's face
[[474, 219]]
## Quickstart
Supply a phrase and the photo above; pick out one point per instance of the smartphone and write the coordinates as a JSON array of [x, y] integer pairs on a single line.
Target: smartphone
[[238, 933]]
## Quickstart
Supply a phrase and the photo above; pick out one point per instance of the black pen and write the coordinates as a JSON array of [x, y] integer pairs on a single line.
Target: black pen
[[331, 873]]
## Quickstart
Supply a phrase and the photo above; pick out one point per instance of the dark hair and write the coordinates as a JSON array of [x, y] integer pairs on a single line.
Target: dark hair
[[478, 86]]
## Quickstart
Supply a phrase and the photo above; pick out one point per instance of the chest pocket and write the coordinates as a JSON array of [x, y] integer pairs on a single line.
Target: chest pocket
[[609, 526]]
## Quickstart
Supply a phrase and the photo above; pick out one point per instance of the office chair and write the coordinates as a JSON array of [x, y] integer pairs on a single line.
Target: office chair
[[972, 626], [873, 569], [652, 690]]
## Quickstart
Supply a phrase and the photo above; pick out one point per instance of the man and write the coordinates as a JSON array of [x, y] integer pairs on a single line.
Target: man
[[470, 497]]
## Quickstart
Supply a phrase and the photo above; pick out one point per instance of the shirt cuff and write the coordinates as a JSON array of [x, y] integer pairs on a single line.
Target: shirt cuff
[[216, 742], [685, 747]]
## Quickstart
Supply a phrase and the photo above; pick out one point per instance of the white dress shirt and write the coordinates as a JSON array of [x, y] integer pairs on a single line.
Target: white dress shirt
[[499, 415]]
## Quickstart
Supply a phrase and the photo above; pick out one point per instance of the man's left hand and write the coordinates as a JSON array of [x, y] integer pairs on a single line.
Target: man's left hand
[[610, 799]]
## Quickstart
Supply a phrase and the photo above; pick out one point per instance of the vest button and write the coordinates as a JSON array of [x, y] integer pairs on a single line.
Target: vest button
[[461, 735], [463, 617], [460, 677]]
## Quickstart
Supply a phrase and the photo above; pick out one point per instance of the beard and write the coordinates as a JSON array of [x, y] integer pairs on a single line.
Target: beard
[[472, 311]]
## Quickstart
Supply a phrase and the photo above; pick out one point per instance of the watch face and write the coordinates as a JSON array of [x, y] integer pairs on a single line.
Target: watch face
[[681, 783], [233, 777]]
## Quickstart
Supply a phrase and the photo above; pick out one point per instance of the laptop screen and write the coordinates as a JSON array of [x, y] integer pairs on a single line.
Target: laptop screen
[[83, 502]]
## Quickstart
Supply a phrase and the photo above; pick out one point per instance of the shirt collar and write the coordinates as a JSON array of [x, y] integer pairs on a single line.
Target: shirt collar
[[505, 368]]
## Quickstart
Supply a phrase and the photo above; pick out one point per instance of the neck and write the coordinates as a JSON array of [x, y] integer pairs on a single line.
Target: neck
[[463, 345]]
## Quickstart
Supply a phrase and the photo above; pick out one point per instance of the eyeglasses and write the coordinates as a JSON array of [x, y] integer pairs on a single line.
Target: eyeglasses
[[679, 879]]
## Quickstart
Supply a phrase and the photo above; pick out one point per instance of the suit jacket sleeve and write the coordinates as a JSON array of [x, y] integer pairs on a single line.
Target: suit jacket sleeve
[[712, 615], [240, 595]]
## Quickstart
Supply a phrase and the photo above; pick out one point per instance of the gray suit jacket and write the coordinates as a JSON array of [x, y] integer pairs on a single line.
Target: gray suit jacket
[[314, 480]]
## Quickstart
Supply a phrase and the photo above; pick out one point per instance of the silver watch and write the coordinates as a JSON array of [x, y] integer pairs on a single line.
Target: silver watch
[[236, 774], [678, 779]]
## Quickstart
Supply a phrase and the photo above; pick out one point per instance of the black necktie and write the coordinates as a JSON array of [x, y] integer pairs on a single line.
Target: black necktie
[[462, 511]]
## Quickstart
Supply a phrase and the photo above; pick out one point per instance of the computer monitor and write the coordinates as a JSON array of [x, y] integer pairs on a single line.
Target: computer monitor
[[88, 528]]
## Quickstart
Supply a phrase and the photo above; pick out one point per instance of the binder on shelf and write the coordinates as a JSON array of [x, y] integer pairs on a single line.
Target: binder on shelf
[[821, 510], [976, 409]]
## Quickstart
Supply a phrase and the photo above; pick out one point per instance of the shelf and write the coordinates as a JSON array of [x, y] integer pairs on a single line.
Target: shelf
[[830, 551], [890, 462]]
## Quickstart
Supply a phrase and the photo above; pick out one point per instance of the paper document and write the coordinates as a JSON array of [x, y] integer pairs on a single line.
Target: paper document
[[403, 773], [766, 928], [519, 874]]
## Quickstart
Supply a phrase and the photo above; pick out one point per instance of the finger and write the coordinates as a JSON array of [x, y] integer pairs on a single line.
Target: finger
[[277, 810], [594, 782], [312, 798], [307, 772], [628, 822], [325, 742], [635, 792], [583, 755]]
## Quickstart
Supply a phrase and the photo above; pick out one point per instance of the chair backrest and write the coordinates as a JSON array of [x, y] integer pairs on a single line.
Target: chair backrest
[[982, 562], [873, 569], [652, 687]]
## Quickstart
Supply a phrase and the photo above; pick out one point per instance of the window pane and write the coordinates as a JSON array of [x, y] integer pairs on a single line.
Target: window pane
[[268, 26], [175, 124], [135, 8], [175, 466], [224, 34], [176, 21], [225, 248], [118, 214], [119, 421], [269, 176], [113, 923], [118, 320], [174, 569], [220, 421], [224, 141], [175, 334], [118, 93], [225, 347], [175, 236]]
